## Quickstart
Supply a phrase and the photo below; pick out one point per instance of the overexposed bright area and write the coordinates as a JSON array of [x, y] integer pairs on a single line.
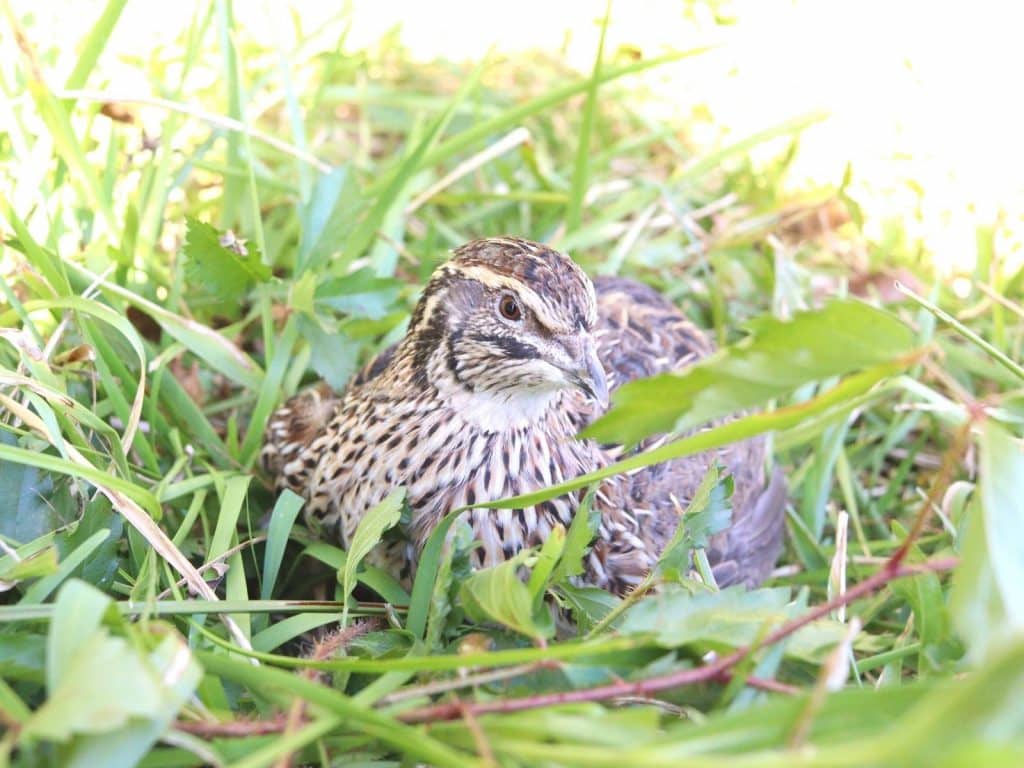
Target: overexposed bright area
[[922, 98]]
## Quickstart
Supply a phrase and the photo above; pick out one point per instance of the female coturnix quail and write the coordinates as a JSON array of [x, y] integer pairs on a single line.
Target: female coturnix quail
[[510, 352]]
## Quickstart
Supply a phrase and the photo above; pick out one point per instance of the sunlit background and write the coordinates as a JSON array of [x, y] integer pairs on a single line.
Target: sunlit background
[[922, 99]]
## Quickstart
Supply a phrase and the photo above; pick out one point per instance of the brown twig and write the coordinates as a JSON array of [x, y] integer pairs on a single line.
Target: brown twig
[[764, 684], [325, 648], [232, 728], [890, 571], [950, 460]]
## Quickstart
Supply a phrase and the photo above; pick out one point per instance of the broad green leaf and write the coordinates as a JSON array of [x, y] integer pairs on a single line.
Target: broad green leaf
[[776, 358], [368, 534], [101, 567], [25, 513], [498, 594], [1001, 482], [103, 685], [175, 673], [582, 531], [588, 605], [725, 619], [986, 704], [112, 703], [224, 265], [976, 603], [335, 357], [549, 555], [77, 614], [985, 602], [108, 703], [380, 581]]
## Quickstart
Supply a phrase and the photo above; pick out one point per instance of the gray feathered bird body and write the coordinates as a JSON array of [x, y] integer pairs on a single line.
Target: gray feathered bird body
[[510, 352]]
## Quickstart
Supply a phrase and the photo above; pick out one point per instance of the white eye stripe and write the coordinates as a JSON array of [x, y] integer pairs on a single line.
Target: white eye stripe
[[526, 295]]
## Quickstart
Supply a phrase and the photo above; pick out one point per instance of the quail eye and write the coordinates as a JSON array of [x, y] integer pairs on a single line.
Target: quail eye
[[509, 308]]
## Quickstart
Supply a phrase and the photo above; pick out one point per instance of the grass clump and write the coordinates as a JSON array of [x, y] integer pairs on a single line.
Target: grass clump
[[178, 261]]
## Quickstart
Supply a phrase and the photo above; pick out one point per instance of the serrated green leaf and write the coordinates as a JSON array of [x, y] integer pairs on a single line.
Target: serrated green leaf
[[227, 270], [588, 604], [497, 594], [709, 511], [547, 558], [776, 358], [582, 531], [368, 534], [725, 619]]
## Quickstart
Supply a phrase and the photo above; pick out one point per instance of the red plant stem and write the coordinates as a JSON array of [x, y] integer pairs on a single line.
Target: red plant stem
[[893, 569], [765, 684], [232, 728]]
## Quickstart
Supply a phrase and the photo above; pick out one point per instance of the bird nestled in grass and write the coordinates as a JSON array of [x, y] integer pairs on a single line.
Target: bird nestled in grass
[[510, 352]]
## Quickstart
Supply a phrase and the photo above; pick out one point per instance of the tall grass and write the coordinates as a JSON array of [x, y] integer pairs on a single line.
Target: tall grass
[[179, 260]]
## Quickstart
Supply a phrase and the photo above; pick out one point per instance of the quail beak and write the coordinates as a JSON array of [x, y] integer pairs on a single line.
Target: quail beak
[[590, 376]]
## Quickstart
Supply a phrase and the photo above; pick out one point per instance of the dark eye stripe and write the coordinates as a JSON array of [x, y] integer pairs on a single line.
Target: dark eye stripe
[[511, 347]]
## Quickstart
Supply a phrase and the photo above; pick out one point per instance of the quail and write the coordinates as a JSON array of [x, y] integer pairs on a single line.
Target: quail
[[510, 352]]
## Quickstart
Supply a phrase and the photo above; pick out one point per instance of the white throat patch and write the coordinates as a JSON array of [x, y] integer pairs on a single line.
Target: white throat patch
[[502, 412]]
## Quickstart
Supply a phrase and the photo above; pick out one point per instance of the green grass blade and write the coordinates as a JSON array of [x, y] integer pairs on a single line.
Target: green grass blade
[[95, 43], [282, 518], [514, 115], [409, 740], [365, 232], [46, 586], [581, 170]]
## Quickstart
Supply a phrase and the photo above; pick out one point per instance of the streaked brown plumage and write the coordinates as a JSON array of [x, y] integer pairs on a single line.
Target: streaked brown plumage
[[509, 352]]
